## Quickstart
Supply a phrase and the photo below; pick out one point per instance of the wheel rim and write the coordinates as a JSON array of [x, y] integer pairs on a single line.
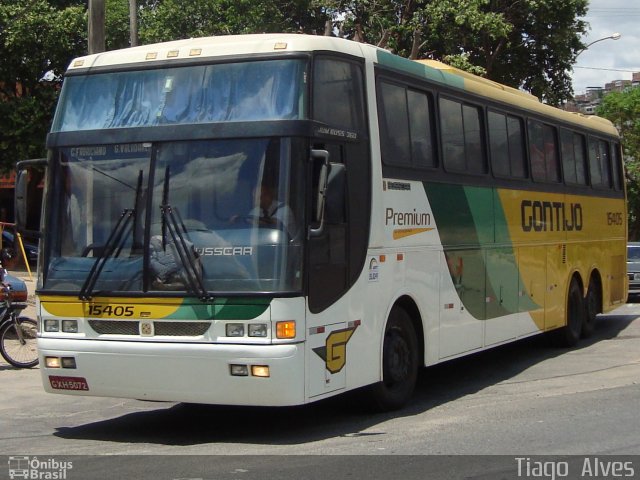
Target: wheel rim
[[397, 359]]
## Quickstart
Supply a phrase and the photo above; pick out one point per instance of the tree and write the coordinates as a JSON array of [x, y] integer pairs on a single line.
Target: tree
[[623, 109], [174, 19], [37, 42], [522, 43], [540, 49]]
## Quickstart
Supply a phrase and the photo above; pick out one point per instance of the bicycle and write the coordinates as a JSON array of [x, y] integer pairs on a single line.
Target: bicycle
[[17, 334]]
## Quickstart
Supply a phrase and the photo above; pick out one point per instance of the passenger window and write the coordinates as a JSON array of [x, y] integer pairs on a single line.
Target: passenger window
[[543, 152], [506, 145], [599, 163], [573, 157], [394, 125], [420, 107], [463, 148], [617, 167], [406, 126]]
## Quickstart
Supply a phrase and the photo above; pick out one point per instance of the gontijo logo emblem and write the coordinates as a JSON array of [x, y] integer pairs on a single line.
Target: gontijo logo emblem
[[334, 352]]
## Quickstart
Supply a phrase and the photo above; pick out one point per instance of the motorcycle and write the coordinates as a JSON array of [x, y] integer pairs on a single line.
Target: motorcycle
[[17, 333]]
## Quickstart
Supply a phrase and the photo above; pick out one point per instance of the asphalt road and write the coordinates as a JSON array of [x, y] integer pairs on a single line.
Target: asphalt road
[[520, 400]]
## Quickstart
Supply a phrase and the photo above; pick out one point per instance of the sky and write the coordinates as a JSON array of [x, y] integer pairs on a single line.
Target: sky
[[609, 59]]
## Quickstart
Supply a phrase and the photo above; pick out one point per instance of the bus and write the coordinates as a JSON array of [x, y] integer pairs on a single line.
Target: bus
[[418, 214]]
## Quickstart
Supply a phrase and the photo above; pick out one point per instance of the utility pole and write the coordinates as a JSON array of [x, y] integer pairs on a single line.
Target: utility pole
[[133, 23], [96, 26]]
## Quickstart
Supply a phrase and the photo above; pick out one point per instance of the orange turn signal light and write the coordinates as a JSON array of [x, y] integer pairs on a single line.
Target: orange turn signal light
[[286, 329]]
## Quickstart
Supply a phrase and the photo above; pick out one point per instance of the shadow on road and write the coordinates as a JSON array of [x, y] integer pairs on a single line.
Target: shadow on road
[[183, 424]]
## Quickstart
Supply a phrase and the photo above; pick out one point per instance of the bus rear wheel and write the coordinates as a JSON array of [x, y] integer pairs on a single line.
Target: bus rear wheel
[[592, 308], [399, 363], [569, 335]]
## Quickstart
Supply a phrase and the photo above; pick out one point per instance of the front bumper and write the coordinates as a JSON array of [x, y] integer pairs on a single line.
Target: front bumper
[[177, 372]]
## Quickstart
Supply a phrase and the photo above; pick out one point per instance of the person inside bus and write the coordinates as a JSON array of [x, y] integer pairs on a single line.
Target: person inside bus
[[269, 211], [272, 212]]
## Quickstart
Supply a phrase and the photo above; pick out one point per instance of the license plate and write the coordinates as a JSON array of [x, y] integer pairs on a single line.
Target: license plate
[[68, 383]]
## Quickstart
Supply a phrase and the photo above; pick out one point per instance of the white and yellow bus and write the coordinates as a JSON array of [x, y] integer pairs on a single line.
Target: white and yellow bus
[[276, 219]]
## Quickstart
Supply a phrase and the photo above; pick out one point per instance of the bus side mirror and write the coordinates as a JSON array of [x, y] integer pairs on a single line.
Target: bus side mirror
[[319, 158], [24, 202]]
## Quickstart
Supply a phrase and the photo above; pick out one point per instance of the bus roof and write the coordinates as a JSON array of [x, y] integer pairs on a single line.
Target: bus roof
[[227, 45]]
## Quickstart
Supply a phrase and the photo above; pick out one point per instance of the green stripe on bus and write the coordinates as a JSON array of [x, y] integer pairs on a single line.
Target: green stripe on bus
[[399, 63], [470, 219], [222, 309]]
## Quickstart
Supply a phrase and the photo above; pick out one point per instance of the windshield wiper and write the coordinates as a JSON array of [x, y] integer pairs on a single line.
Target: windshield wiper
[[173, 224], [115, 242]]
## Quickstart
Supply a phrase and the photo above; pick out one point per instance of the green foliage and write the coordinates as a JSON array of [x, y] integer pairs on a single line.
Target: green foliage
[[623, 109], [174, 19], [522, 43], [116, 20], [35, 38]]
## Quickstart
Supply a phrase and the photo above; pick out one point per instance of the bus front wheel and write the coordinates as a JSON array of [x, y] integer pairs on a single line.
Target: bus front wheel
[[399, 363]]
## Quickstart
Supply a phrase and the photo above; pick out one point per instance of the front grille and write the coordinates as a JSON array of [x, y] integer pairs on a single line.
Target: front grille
[[181, 329], [169, 329], [113, 327]]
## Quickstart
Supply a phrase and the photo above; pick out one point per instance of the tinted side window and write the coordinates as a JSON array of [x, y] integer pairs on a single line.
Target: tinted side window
[[394, 124], [543, 152], [573, 157], [420, 108], [507, 145], [517, 156], [406, 126], [616, 167], [599, 163], [499, 144], [463, 148], [606, 163], [452, 128], [338, 93], [580, 152]]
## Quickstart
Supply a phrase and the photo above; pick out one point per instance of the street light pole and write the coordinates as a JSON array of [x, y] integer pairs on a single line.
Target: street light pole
[[613, 36]]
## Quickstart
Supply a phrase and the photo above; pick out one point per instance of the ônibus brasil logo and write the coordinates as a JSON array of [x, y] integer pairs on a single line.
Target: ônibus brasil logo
[[38, 469]]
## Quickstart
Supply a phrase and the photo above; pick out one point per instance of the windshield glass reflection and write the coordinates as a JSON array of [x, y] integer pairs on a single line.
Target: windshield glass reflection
[[212, 216]]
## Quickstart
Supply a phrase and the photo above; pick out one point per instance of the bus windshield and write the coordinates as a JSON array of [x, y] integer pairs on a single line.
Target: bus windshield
[[215, 215], [245, 91]]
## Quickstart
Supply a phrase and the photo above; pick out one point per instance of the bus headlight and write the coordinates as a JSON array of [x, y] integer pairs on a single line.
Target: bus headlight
[[234, 329], [257, 329], [51, 325], [70, 326]]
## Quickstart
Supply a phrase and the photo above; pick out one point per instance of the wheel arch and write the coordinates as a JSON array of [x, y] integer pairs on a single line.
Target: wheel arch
[[409, 305]]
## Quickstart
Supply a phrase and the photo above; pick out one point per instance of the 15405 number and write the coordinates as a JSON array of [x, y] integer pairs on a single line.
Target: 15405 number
[[96, 310]]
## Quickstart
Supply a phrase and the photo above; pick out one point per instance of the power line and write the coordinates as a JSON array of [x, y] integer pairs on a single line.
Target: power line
[[608, 69]]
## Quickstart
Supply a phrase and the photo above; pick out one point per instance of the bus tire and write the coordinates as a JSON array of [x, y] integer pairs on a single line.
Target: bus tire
[[592, 308], [569, 335], [399, 363]]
